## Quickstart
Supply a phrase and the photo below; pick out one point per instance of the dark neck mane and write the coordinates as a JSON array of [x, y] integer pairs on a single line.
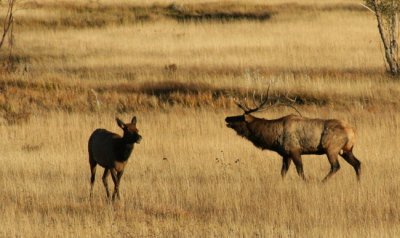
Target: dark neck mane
[[123, 149], [265, 134]]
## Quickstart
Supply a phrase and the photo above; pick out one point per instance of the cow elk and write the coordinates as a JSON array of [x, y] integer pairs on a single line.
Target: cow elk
[[292, 136], [111, 151]]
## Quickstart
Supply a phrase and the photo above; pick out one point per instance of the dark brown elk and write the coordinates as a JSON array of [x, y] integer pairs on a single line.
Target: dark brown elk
[[111, 151], [292, 136]]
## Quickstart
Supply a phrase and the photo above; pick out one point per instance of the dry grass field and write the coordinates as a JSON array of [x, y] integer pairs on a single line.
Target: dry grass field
[[177, 65]]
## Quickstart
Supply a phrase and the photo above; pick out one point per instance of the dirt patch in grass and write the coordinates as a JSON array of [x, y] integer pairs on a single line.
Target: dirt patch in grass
[[218, 12]]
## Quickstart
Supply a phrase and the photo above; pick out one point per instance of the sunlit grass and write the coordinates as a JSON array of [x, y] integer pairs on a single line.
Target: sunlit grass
[[191, 176]]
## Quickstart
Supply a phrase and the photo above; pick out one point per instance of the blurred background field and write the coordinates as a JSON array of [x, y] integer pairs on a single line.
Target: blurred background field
[[177, 66]]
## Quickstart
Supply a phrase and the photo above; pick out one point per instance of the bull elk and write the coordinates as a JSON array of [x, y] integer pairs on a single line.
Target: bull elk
[[292, 136], [111, 151]]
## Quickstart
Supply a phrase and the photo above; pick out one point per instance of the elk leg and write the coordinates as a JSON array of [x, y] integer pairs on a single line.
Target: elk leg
[[119, 175], [105, 175], [93, 175], [299, 165], [353, 161], [116, 176], [285, 165], [335, 166]]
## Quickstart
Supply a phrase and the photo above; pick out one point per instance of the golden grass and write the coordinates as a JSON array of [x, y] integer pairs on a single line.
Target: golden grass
[[191, 176], [306, 54], [281, 44]]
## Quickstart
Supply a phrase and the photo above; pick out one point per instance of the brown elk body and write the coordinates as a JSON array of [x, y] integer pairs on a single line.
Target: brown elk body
[[292, 136], [111, 151]]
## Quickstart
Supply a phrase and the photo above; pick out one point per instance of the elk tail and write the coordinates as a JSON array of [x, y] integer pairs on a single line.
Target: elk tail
[[350, 140]]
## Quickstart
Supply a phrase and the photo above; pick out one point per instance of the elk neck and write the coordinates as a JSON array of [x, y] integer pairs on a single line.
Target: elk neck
[[123, 148], [265, 134]]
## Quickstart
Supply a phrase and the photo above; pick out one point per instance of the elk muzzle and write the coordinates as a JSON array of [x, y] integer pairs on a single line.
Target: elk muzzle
[[138, 139], [133, 138], [231, 121]]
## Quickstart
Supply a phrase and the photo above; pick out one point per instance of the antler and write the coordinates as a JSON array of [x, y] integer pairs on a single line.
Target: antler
[[243, 107], [291, 99], [291, 105], [262, 107], [248, 110]]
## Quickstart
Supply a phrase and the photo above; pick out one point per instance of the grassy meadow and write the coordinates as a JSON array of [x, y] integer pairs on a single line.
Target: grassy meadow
[[178, 66]]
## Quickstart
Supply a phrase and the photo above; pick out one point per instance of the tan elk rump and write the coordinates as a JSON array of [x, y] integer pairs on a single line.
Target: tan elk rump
[[292, 136], [111, 151]]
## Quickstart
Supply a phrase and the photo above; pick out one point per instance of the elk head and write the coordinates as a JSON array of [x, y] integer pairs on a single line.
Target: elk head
[[239, 123], [131, 133]]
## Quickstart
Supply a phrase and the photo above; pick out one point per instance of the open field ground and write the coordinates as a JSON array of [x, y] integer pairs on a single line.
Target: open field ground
[[212, 183], [177, 66]]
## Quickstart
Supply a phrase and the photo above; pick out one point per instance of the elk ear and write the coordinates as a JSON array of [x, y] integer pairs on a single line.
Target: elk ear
[[248, 118], [120, 123], [133, 121]]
